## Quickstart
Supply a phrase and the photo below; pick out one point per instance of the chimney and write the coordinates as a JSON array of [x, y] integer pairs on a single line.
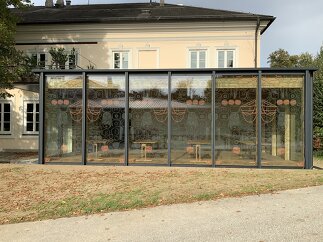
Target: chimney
[[49, 3], [59, 3], [162, 3], [68, 2]]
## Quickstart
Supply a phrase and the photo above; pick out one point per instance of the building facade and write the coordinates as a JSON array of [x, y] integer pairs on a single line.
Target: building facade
[[153, 37]]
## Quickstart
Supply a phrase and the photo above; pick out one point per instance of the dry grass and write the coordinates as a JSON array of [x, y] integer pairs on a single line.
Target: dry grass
[[35, 192]]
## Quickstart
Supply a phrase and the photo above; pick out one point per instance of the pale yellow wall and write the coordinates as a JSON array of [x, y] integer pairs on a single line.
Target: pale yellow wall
[[17, 140], [171, 41]]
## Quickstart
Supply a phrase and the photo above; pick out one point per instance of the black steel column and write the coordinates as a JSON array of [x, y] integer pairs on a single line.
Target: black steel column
[[41, 137], [84, 118], [126, 120], [259, 111], [213, 124], [169, 119], [308, 121]]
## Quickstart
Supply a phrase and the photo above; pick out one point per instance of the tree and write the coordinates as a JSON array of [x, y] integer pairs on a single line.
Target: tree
[[282, 59], [13, 63]]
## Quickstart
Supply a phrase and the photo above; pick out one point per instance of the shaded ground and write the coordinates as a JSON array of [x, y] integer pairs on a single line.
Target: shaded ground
[[37, 192], [293, 215], [18, 157]]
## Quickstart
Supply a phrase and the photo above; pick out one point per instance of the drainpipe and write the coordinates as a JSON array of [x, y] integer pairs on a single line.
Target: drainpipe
[[256, 42]]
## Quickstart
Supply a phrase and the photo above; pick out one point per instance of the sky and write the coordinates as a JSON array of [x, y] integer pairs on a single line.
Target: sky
[[298, 26]]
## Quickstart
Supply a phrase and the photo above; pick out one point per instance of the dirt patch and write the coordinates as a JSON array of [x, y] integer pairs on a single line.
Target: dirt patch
[[33, 192]]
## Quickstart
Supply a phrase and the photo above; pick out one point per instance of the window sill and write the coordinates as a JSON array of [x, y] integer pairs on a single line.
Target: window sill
[[26, 134]]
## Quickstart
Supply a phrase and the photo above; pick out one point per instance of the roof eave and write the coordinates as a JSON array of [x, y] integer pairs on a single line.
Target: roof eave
[[268, 25], [151, 20]]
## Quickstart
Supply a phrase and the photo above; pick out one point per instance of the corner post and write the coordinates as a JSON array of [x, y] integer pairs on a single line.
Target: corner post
[[308, 120], [213, 124], [126, 121], [41, 137], [169, 118], [84, 118]]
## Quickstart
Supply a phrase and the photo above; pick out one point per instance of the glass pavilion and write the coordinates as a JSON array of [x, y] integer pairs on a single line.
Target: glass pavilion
[[203, 117]]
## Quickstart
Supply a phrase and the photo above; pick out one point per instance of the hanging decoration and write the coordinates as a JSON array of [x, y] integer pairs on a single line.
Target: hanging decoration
[[160, 114], [249, 111], [93, 113], [178, 114]]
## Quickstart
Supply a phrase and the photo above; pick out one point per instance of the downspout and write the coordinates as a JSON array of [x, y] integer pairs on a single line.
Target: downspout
[[256, 42]]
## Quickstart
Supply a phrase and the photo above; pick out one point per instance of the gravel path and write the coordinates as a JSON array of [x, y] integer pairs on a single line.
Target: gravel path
[[295, 215]]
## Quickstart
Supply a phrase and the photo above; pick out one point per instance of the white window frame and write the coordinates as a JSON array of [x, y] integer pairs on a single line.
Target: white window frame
[[198, 57], [234, 64], [121, 52], [34, 102], [38, 53], [2, 117]]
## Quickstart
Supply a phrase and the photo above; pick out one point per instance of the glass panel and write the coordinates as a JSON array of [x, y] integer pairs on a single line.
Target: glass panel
[[221, 59], [148, 108], [6, 117], [6, 127], [6, 107], [282, 121], [125, 60], [37, 117], [37, 107], [63, 118], [106, 118], [230, 58], [193, 59], [191, 120], [202, 59], [72, 61], [30, 107], [37, 127], [235, 118], [30, 127], [116, 60], [42, 60], [30, 117]]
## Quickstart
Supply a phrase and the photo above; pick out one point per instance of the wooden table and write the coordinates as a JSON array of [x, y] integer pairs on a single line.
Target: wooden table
[[95, 145], [197, 144], [143, 148]]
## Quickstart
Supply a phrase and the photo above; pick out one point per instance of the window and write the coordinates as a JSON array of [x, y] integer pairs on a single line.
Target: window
[[226, 58], [31, 117], [121, 60], [5, 118], [38, 60], [197, 58]]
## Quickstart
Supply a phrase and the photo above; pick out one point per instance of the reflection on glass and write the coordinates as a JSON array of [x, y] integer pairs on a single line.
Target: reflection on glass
[[282, 121], [191, 119], [148, 100], [106, 118], [235, 118], [63, 118]]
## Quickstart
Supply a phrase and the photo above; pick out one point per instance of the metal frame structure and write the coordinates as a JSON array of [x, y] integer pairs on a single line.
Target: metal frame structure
[[214, 73]]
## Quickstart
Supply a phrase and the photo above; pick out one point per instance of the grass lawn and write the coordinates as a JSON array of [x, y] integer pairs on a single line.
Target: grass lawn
[[36, 192]]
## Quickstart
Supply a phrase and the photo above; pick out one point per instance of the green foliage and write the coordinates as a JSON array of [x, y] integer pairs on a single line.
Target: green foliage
[[59, 57], [281, 58], [13, 63]]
